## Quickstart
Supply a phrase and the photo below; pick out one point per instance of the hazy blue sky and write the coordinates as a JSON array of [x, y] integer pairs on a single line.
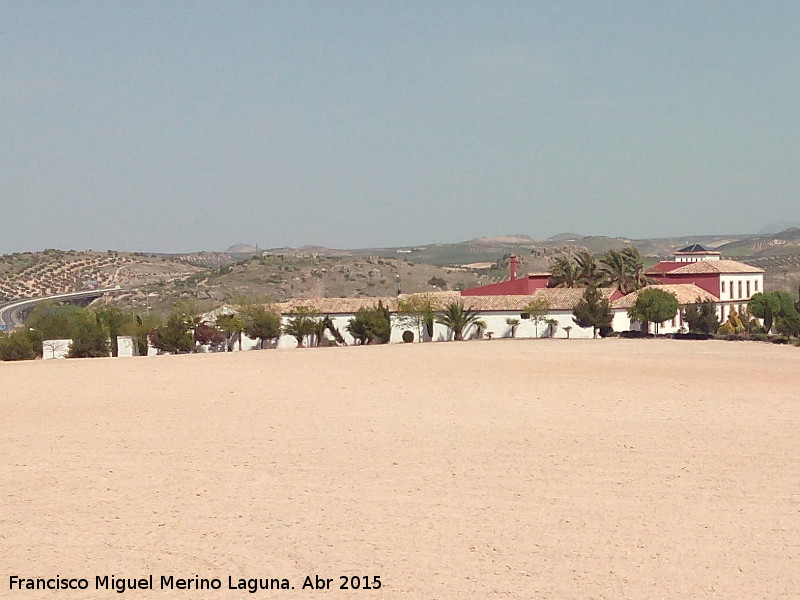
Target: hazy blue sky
[[179, 126]]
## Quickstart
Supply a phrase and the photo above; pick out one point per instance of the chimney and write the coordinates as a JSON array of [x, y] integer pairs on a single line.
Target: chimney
[[513, 262]]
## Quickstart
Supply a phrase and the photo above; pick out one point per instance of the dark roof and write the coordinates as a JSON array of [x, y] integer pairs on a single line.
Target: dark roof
[[695, 248]]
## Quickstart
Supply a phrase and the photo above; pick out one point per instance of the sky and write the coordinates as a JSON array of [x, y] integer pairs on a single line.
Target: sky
[[183, 126]]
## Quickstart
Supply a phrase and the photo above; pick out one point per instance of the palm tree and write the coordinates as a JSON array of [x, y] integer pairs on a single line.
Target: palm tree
[[193, 322], [481, 325], [614, 271], [587, 268], [513, 322], [231, 325], [564, 273], [624, 269], [552, 327], [302, 324], [139, 329], [458, 318], [636, 268]]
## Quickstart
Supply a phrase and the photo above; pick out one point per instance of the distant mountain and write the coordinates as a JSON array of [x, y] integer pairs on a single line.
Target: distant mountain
[[502, 239], [786, 242], [242, 249], [780, 226], [598, 244], [565, 237], [279, 273], [790, 234], [496, 248]]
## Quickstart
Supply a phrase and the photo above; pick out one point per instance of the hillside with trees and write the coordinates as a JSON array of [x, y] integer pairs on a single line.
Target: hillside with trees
[[155, 281]]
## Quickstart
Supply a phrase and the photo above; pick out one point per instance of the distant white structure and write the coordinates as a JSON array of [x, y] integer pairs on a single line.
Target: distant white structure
[[696, 253], [494, 311], [685, 293], [126, 346], [696, 275], [54, 349], [730, 282]]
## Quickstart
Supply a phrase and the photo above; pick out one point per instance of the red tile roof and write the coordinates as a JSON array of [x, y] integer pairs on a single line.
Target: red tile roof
[[704, 267], [686, 293]]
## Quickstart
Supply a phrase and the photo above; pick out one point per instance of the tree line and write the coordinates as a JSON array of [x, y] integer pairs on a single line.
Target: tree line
[[94, 332], [621, 269]]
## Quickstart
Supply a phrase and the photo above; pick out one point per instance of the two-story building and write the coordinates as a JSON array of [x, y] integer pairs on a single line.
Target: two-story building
[[733, 283]]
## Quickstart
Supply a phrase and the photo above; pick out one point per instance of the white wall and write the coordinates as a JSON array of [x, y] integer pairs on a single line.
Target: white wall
[[694, 259], [340, 322], [55, 348], [496, 323], [730, 296], [622, 322], [126, 346], [52, 349], [731, 284]]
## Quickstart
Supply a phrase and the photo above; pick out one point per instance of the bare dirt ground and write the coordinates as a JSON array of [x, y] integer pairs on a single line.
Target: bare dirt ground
[[506, 469]]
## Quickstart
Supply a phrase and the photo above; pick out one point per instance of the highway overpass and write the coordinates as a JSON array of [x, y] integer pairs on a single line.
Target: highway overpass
[[11, 312]]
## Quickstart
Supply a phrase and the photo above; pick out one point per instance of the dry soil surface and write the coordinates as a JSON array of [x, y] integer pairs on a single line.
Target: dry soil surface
[[517, 469]]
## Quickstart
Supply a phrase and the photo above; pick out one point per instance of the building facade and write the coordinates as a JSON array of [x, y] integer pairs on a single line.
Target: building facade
[[732, 283]]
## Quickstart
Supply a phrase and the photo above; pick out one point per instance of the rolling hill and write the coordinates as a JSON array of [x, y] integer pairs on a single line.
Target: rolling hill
[[158, 280]]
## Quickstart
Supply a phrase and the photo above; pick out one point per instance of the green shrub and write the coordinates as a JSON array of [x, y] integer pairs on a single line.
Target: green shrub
[[89, 338], [371, 325], [173, 337], [19, 345]]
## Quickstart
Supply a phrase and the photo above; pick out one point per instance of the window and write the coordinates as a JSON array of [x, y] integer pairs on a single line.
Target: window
[[740, 288], [756, 284], [722, 314], [723, 287], [748, 289]]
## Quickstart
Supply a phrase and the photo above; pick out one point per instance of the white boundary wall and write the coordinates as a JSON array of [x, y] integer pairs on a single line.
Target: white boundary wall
[[126, 347], [55, 349]]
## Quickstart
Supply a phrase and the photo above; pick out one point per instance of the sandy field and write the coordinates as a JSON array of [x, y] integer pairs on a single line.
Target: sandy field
[[550, 469]]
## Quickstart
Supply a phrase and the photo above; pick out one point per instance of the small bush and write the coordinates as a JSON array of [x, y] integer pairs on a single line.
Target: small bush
[[692, 336], [633, 334]]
